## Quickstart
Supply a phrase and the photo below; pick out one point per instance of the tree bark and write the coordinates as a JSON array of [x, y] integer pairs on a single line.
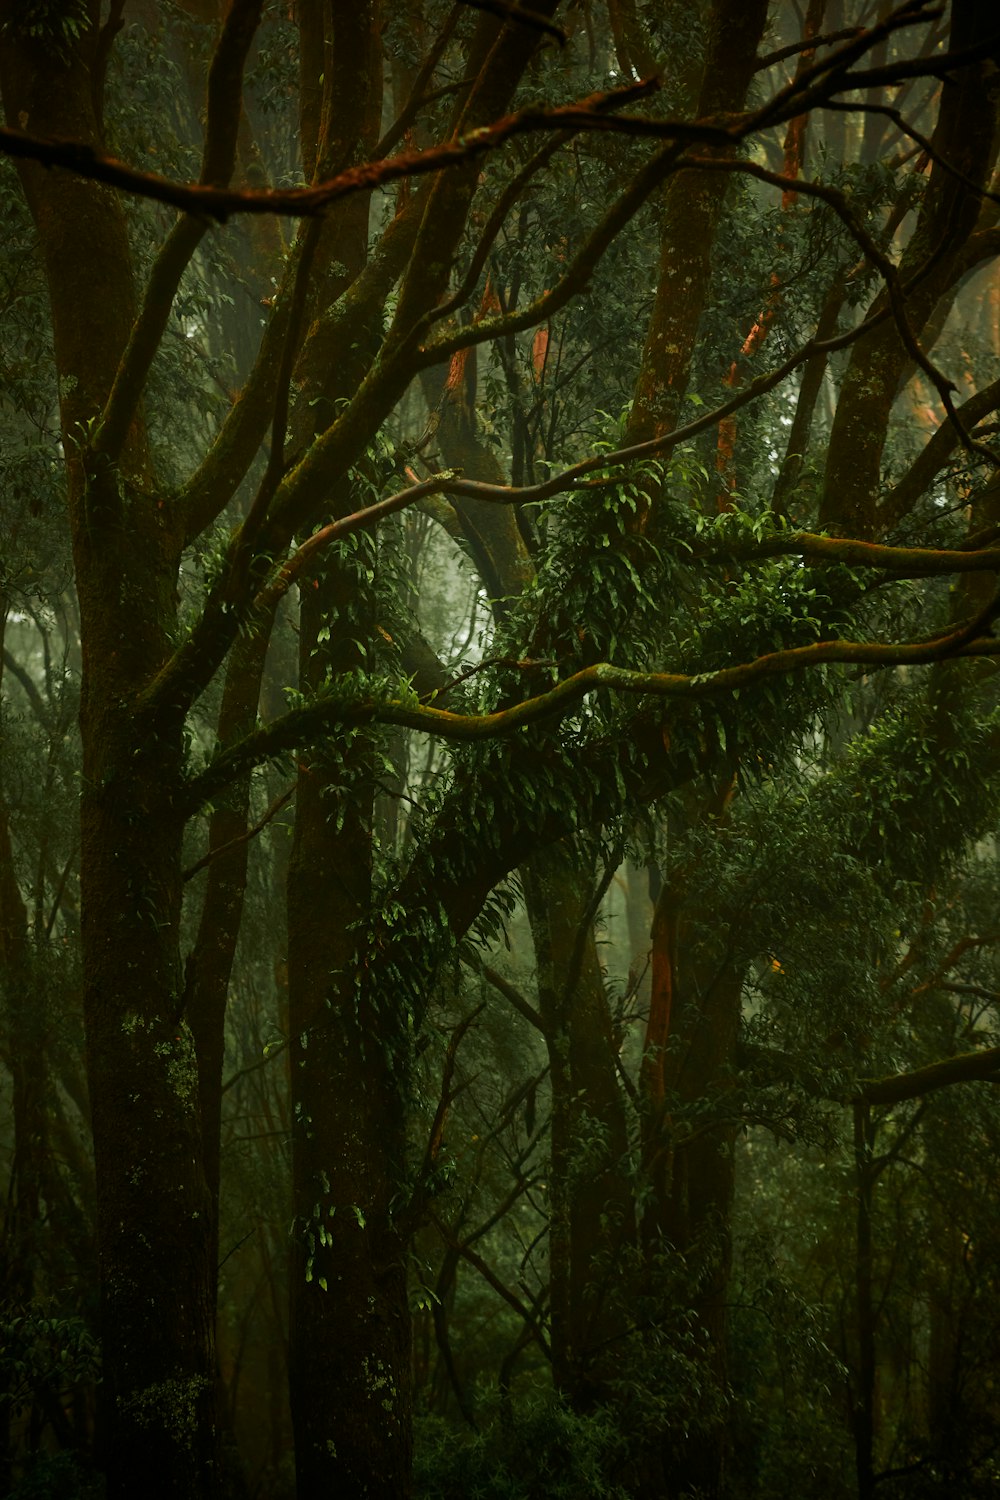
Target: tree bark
[[350, 1329], [153, 1206], [691, 1046], [592, 1223], [864, 1400]]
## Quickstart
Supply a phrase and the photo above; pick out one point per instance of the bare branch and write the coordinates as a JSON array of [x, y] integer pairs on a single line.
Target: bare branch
[[924, 142], [842, 207], [220, 204], [807, 44], [929, 463], [491, 1278], [269, 1056], [397, 130], [495, 223], [514, 997], [251, 833]]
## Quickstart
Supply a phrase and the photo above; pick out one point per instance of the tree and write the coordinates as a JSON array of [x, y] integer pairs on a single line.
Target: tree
[[664, 593]]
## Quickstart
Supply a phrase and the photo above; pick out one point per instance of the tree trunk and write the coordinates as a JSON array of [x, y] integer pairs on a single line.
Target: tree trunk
[[350, 1326], [695, 1008], [153, 1208], [864, 1399], [592, 1213]]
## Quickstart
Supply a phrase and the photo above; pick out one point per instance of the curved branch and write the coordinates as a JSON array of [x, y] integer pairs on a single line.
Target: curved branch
[[925, 143], [359, 520], [967, 1068], [830, 76], [646, 181], [806, 44], [932, 459], [842, 207], [804, 94], [418, 98], [576, 277], [651, 447], [220, 204], [191, 667], [495, 223], [316, 720], [901, 562]]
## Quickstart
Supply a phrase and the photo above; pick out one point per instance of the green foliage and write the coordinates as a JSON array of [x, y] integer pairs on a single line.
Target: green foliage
[[43, 1356], [58, 24], [38, 1349], [533, 1448], [827, 839], [788, 1434], [58, 1476]]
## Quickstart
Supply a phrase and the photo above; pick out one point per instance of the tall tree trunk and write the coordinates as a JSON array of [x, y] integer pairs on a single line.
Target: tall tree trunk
[[691, 1044], [153, 1207], [864, 1397], [155, 1212], [23, 1058], [350, 1329], [592, 1213]]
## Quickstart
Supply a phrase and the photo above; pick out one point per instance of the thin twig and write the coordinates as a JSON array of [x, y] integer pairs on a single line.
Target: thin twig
[[244, 838]]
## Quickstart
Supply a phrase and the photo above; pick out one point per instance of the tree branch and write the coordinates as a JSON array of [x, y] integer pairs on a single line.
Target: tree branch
[[967, 1068], [807, 44], [932, 459], [225, 92], [244, 838], [514, 998], [813, 88], [507, 10], [211, 202], [489, 1276], [312, 722], [842, 207], [924, 142]]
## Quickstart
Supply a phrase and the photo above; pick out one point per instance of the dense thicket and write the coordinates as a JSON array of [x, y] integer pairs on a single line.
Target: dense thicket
[[500, 548]]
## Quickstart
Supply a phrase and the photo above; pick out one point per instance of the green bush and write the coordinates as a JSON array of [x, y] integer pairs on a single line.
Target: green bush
[[538, 1450]]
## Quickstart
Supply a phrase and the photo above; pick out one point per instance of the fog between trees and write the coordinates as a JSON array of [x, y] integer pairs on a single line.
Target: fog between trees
[[499, 536]]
